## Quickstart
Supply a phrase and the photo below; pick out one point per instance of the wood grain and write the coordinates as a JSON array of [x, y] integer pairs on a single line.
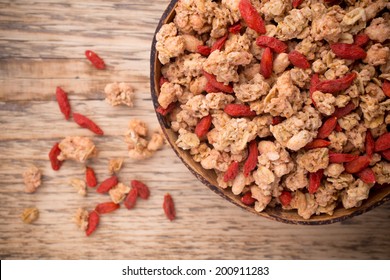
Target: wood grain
[[42, 45]]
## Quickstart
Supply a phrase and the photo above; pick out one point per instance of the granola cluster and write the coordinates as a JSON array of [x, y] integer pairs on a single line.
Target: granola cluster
[[306, 80]]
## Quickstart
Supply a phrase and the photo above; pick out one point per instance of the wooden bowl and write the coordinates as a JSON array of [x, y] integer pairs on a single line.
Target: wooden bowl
[[208, 177]]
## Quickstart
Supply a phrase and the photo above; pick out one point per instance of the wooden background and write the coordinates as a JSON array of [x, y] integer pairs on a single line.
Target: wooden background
[[42, 46]]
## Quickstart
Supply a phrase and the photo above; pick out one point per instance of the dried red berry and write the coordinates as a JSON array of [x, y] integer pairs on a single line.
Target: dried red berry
[[367, 175], [327, 127], [93, 222], [285, 198], [95, 60], [107, 184], [85, 122], [131, 198], [298, 60], [266, 63], [203, 50], [106, 207], [341, 158], [166, 111], [53, 156], [220, 86], [251, 17], [90, 177], [361, 40], [271, 42], [341, 112], [169, 207], [63, 102], [386, 88], [317, 143], [251, 160], [383, 142], [142, 189], [348, 51], [334, 86], [218, 45], [315, 180], [369, 144], [231, 172], [247, 199], [357, 165], [235, 28], [296, 3], [239, 110], [203, 126]]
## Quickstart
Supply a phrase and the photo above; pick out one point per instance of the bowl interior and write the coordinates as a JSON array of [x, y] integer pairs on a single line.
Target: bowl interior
[[378, 195]]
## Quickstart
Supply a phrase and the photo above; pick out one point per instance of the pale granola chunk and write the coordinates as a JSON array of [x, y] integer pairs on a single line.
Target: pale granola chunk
[[313, 160], [379, 30], [382, 172], [334, 170], [187, 140], [262, 199], [168, 94], [305, 203], [32, 179], [156, 142], [114, 165], [136, 143], [355, 194], [168, 44], [326, 194], [337, 141], [377, 55], [119, 93], [78, 148], [297, 179], [324, 102], [30, 215], [81, 218], [118, 193], [281, 62], [295, 25], [251, 90], [79, 185]]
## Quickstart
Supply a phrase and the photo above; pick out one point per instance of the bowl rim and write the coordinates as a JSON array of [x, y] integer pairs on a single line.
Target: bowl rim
[[271, 215]]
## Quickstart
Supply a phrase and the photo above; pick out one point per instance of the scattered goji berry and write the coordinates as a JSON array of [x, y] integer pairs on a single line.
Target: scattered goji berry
[[63, 102], [218, 45], [210, 88], [247, 199], [106, 207], [203, 50], [163, 80], [383, 142], [203, 126], [93, 222], [296, 3], [131, 198], [277, 120], [386, 88], [317, 143], [239, 110], [271, 42], [169, 207], [298, 60], [285, 198], [361, 39], [213, 81], [386, 154], [357, 165], [53, 156], [166, 111], [107, 184], [314, 81], [341, 112], [369, 144], [336, 85], [95, 60], [266, 63], [367, 175], [348, 51], [90, 177], [251, 17], [231, 172], [251, 160], [315, 180], [327, 127], [338, 128], [142, 189], [85, 122], [341, 158], [235, 28]]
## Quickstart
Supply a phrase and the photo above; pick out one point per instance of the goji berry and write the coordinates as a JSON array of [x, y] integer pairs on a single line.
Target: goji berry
[[239, 110], [251, 160], [90, 177], [231, 172], [369, 144], [334, 86], [266, 63], [367, 175], [271, 42], [107, 184], [361, 39], [53, 156], [327, 127], [203, 50], [251, 17], [285, 198], [348, 51], [383, 142], [163, 80], [166, 111], [386, 154], [338, 128], [210, 88], [298, 60], [296, 3], [142, 189], [277, 120], [203, 126], [341, 112], [63, 102], [315, 180], [220, 86], [357, 165], [247, 199], [218, 45], [314, 81], [235, 28], [169, 207], [85, 122], [95, 59], [386, 88], [341, 158], [317, 143], [106, 207], [93, 222], [131, 198]]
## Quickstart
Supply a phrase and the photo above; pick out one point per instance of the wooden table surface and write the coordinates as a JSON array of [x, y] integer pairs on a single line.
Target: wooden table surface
[[42, 46]]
